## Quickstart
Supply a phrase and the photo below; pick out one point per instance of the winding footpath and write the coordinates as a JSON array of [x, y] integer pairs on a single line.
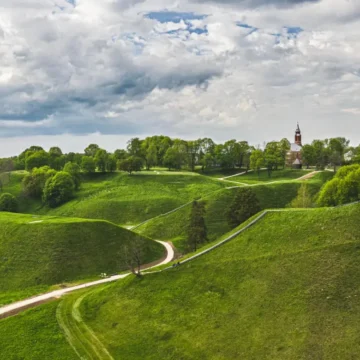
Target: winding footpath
[[16, 307]]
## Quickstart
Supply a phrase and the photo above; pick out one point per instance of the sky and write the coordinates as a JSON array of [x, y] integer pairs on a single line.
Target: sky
[[73, 72]]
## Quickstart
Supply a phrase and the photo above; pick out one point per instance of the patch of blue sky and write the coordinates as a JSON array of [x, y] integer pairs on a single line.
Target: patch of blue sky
[[72, 2], [175, 17], [293, 29]]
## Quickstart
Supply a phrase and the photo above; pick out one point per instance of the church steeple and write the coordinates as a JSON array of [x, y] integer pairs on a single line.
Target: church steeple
[[298, 135]]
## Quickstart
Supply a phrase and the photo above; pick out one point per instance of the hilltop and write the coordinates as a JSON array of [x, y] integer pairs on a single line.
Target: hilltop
[[285, 289], [39, 251]]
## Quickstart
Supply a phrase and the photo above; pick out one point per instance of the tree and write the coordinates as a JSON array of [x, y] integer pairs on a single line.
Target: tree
[[173, 158], [37, 160], [88, 164], [308, 155], [151, 156], [132, 257], [111, 163], [130, 164], [101, 158], [135, 148], [58, 189], [56, 158], [257, 160], [244, 205], [192, 152], [120, 154], [8, 203], [74, 170], [197, 232], [303, 198], [34, 182], [91, 150]]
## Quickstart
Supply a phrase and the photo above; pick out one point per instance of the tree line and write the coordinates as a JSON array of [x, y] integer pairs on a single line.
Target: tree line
[[177, 154]]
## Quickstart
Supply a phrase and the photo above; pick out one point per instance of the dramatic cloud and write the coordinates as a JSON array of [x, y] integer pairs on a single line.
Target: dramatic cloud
[[224, 69]]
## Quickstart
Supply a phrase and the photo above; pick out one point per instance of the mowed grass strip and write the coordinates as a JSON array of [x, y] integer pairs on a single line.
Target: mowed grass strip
[[173, 226], [285, 289], [37, 252]]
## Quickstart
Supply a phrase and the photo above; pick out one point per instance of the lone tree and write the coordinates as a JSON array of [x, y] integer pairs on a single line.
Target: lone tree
[[303, 198], [132, 256], [8, 203], [244, 205], [197, 232]]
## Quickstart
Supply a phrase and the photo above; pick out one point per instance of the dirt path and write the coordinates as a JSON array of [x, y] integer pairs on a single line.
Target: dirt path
[[19, 306]]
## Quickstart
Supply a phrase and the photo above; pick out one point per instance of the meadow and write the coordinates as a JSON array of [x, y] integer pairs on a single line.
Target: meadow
[[124, 199], [173, 226], [284, 289]]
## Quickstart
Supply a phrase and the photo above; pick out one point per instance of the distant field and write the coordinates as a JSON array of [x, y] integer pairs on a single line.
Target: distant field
[[285, 289], [173, 227], [37, 252], [263, 177]]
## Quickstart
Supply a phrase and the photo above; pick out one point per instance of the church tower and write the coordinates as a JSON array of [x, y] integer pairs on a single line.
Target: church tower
[[298, 136]]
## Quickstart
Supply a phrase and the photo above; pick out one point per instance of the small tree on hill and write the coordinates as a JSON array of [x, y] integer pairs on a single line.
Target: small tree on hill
[[244, 205], [303, 198], [58, 189], [197, 232], [132, 257], [8, 203]]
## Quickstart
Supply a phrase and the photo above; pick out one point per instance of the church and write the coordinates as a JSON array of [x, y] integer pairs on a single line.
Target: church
[[294, 154]]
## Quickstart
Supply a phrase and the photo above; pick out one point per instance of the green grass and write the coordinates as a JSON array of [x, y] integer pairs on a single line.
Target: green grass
[[263, 177], [173, 226], [35, 256], [13, 184], [287, 288], [124, 199], [34, 335]]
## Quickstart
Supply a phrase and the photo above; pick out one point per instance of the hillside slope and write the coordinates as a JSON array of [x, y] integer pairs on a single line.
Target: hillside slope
[[173, 226], [37, 252], [285, 289], [121, 198]]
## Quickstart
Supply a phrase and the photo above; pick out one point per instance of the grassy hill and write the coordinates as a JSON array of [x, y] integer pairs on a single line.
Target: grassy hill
[[124, 199], [34, 335], [173, 226], [37, 252], [287, 288]]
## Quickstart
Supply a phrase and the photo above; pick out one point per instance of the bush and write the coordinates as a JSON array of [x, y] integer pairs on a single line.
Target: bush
[[244, 205], [34, 182], [58, 189], [343, 188], [8, 203]]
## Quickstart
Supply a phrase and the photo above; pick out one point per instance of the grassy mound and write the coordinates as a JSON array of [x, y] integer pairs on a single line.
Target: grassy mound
[[172, 227], [36, 253], [285, 289], [124, 199]]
